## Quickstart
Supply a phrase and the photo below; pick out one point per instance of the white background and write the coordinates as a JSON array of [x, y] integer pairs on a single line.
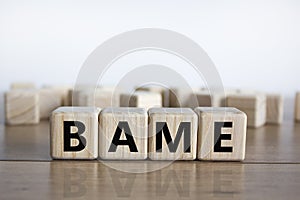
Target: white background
[[254, 44]]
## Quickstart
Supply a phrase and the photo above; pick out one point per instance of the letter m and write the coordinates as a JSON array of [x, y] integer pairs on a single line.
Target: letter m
[[184, 128]]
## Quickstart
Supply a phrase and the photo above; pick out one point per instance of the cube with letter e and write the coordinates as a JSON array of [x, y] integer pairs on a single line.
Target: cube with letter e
[[221, 134]]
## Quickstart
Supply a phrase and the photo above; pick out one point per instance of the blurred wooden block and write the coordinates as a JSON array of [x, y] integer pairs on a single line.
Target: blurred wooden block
[[297, 107], [105, 97], [253, 104], [123, 133], [68, 98], [22, 86], [77, 97], [181, 97], [49, 100], [202, 97], [100, 97], [141, 100], [22, 107], [157, 89], [207, 99], [74, 133], [274, 109], [221, 134], [172, 134], [65, 93]]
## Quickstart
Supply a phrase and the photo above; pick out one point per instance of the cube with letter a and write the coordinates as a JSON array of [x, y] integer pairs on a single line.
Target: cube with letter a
[[74, 133], [221, 134], [172, 134], [123, 133]]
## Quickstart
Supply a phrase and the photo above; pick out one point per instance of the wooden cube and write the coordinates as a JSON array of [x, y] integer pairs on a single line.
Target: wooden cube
[[22, 86], [297, 107], [172, 134], [22, 107], [213, 98], [79, 99], [123, 133], [79, 95], [74, 133], [141, 100], [105, 97], [157, 89], [181, 97], [253, 104], [64, 91], [100, 97], [50, 99], [274, 109], [221, 134], [207, 99]]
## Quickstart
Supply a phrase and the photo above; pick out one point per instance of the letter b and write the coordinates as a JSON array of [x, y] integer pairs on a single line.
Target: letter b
[[68, 136]]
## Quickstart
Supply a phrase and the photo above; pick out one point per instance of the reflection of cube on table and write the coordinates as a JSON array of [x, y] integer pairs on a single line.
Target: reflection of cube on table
[[22, 107], [221, 134]]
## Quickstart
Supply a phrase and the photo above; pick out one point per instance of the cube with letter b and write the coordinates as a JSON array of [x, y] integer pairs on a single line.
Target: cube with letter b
[[123, 133], [74, 133], [221, 134], [172, 134]]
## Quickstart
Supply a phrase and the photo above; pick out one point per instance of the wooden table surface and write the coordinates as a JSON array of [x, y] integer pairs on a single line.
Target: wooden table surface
[[271, 171]]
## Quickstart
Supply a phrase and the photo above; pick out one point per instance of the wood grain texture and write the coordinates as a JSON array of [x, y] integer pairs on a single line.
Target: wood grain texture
[[173, 118], [297, 107], [274, 109], [253, 104], [206, 141], [22, 107], [89, 117], [49, 100], [137, 121], [141, 99]]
